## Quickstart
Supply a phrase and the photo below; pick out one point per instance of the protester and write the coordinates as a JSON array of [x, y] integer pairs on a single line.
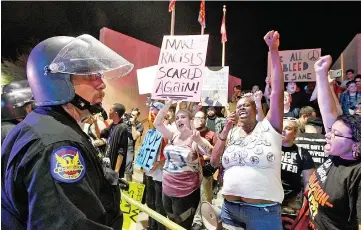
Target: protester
[[93, 126], [305, 113], [350, 73], [135, 131], [207, 169], [252, 187], [182, 173], [16, 103], [357, 79], [51, 177], [214, 123], [349, 98], [313, 140], [117, 140], [295, 161], [289, 109], [334, 188], [153, 178]]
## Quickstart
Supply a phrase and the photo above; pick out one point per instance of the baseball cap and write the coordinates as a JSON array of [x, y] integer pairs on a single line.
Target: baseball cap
[[314, 121]]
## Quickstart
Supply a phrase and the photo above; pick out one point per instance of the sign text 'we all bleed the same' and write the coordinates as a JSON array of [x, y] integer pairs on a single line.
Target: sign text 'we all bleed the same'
[[180, 67]]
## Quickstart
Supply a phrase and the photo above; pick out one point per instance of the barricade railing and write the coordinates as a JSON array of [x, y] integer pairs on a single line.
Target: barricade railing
[[153, 214]]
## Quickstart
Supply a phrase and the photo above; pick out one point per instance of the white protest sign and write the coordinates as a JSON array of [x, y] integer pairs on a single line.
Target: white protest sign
[[215, 86], [146, 78], [297, 65], [180, 68]]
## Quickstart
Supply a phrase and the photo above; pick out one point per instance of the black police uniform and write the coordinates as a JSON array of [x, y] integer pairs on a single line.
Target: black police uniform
[[6, 127], [33, 196]]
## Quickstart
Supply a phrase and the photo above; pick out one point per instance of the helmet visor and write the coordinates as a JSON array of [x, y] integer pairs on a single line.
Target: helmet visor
[[86, 55]]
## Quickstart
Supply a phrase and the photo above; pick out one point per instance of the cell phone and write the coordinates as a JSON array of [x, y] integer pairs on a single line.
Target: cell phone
[[149, 101], [336, 73]]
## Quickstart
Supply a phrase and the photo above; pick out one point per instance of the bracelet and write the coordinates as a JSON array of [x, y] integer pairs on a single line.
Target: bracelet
[[219, 137]]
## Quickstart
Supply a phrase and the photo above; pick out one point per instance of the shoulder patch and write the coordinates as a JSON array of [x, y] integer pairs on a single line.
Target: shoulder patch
[[67, 164]]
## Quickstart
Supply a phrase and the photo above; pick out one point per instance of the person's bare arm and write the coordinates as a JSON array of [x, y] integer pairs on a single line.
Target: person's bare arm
[[314, 95], [275, 113], [257, 96], [326, 100], [119, 162], [220, 145], [336, 98], [158, 123], [267, 88], [135, 133]]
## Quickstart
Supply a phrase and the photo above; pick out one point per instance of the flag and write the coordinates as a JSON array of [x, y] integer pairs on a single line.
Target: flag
[[223, 29], [202, 14], [171, 5]]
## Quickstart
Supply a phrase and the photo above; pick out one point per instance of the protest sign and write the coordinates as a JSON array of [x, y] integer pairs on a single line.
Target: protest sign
[[297, 65], [130, 213], [215, 86], [180, 68], [146, 78], [149, 149]]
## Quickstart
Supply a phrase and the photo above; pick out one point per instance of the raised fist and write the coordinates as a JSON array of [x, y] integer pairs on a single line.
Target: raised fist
[[323, 64], [272, 39]]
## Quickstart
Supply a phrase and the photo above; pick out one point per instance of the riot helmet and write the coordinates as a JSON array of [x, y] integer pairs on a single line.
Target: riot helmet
[[14, 98], [52, 62]]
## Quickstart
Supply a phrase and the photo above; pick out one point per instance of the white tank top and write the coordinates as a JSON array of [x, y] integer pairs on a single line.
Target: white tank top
[[253, 164]]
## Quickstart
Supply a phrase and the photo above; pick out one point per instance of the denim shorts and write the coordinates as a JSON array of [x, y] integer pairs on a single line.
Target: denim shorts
[[241, 215]]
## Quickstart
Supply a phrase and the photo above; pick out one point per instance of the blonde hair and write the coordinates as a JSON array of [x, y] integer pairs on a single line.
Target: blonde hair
[[185, 112], [294, 123]]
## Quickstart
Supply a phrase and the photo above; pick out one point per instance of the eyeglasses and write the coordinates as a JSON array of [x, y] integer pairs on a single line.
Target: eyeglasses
[[95, 77], [333, 135]]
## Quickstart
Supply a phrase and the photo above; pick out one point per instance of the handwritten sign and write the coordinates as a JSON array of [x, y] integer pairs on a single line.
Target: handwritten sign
[[180, 68], [130, 213], [146, 78], [215, 86], [297, 65], [149, 149]]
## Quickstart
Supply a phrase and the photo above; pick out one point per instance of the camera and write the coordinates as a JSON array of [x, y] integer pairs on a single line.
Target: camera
[[126, 118]]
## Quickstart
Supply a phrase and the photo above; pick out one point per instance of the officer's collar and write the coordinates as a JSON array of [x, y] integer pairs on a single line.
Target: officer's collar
[[60, 115]]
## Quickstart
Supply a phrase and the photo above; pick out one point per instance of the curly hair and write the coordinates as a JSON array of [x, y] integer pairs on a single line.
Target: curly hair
[[354, 124]]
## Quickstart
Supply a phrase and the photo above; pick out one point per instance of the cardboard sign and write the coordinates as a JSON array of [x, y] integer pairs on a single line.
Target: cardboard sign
[[180, 68], [130, 213], [297, 65], [149, 150], [146, 78], [215, 86]]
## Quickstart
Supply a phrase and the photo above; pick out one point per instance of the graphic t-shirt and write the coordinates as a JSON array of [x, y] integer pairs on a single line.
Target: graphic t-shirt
[[313, 143], [294, 161], [334, 195]]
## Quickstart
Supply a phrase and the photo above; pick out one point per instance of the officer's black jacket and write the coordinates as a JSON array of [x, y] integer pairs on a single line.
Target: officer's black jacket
[[31, 198]]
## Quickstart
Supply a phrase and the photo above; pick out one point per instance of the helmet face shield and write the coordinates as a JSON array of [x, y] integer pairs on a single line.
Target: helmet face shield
[[85, 55]]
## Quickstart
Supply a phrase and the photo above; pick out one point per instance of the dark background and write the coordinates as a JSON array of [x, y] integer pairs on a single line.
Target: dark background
[[302, 25]]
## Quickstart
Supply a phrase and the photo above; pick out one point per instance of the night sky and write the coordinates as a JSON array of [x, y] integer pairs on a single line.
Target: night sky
[[302, 25]]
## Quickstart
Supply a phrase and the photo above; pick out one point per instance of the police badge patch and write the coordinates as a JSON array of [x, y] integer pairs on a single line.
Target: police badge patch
[[67, 164]]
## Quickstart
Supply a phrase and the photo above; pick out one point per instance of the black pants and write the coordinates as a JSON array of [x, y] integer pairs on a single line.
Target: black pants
[[154, 201], [181, 210]]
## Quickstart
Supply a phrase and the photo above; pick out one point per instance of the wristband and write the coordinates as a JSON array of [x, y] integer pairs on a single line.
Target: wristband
[[222, 139]]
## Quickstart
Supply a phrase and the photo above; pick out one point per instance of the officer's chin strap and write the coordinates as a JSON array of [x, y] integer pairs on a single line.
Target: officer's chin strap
[[83, 104]]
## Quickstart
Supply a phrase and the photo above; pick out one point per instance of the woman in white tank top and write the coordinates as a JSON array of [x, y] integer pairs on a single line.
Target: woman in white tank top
[[181, 172], [252, 186]]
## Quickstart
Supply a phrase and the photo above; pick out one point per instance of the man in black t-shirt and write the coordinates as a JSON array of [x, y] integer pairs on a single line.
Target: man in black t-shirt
[[117, 140], [313, 140]]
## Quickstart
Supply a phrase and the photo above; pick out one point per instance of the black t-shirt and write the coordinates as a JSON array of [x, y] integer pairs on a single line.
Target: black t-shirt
[[117, 144], [295, 113], [131, 143], [293, 163], [300, 99], [314, 143], [334, 195]]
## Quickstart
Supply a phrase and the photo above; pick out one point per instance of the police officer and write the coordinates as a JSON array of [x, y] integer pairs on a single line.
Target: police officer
[[16, 103], [51, 176]]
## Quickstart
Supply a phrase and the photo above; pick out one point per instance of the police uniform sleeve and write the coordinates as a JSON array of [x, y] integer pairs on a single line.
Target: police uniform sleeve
[[62, 187], [307, 161]]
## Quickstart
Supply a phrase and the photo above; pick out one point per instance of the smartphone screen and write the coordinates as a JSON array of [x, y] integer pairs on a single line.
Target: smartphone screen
[[336, 73]]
